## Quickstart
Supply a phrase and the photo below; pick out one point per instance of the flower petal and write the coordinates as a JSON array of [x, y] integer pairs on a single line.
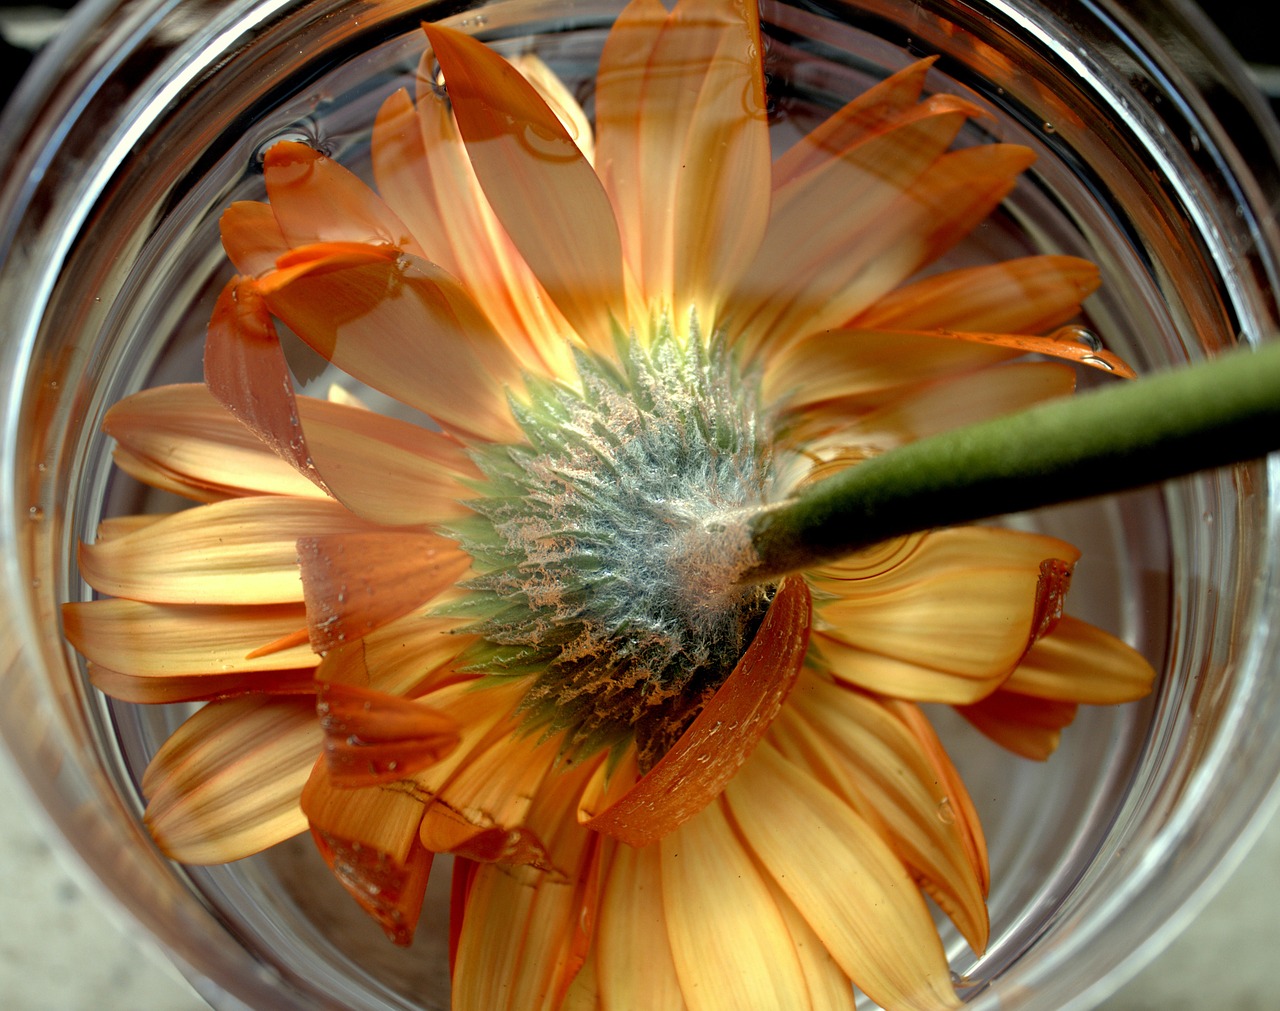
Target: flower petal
[[729, 941], [976, 589], [1078, 662], [1027, 726], [315, 200], [525, 932], [1028, 295], [876, 924], [542, 189], [633, 951], [356, 582], [226, 784], [151, 690], [407, 656], [180, 438], [406, 328], [373, 738], [694, 772], [251, 236], [241, 551]]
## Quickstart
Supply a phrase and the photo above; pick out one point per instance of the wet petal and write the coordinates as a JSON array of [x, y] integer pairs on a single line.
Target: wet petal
[[148, 689], [975, 589], [710, 752], [226, 784], [404, 657], [1081, 663], [876, 925], [241, 551], [357, 582], [373, 738], [315, 200], [542, 189], [1028, 295]]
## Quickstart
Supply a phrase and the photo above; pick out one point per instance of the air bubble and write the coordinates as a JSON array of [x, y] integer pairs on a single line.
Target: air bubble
[[304, 131], [1097, 362], [35, 514], [1048, 127], [946, 813], [1076, 334]]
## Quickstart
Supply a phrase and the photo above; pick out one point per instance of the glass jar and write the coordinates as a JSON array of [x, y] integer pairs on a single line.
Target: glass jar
[[1155, 160]]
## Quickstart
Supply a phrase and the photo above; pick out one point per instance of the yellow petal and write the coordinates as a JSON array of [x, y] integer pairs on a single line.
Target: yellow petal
[[875, 923], [542, 189], [728, 939], [636, 967], [829, 988], [404, 657], [384, 819], [1027, 295], [241, 551], [962, 607], [226, 784], [1078, 662]]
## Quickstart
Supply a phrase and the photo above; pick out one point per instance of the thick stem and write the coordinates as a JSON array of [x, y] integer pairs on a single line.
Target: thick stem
[[1125, 436]]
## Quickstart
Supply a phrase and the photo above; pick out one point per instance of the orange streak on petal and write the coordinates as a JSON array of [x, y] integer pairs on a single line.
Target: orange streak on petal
[[373, 738], [544, 192], [710, 752], [354, 583], [284, 642]]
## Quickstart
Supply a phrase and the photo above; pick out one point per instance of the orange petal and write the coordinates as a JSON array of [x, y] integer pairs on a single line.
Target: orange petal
[[404, 657], [633, 951], [252, 237], [242, 551], [875, 925], [357, 582], [408, 329], [694, 772], [973, 588], [1027, 295], [372, 737], [166, 640], [1023, 724], [180, 438], [391, 892], [1069, 349], [315, 200], [1081, 663], [542, 189], [226, 784], [867, 114], [814, 247], [152, 690], [729, 941]]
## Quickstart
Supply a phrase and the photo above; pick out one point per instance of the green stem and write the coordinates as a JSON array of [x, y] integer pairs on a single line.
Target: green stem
[[1125, 436]]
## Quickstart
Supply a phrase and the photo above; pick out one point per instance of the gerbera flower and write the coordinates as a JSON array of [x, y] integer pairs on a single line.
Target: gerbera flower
[[517, 632]]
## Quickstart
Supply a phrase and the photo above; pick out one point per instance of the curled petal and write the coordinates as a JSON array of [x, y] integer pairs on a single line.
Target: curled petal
[[694, 772], [373, 738], [226, 784], [543, 190], [1026, 725]]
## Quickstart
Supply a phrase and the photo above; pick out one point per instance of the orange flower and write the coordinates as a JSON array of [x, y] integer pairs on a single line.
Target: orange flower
[[515, 634]]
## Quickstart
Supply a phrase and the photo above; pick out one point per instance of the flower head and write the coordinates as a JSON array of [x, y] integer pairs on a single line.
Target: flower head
[[517, 631]]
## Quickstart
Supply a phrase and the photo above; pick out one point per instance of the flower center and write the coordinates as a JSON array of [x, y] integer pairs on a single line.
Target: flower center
[[604, 577]]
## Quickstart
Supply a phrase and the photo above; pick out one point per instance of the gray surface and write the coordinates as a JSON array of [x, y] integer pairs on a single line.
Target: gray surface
[[62, 948]]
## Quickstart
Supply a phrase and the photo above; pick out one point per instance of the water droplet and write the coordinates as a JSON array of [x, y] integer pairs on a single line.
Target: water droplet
[[35, 513], [1075, 334], [304, 131], [946, 813], [1195, 142], [42, 467], [1048, 127], [1097, 362], [1208, 516]]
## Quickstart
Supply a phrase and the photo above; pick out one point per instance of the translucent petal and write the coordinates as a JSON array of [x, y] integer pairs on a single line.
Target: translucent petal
[[226, 784], [1027, 726], [542, 189], [1078, 662], [252, 237]]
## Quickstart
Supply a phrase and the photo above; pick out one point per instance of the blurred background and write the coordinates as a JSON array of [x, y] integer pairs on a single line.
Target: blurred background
[[64, 947]]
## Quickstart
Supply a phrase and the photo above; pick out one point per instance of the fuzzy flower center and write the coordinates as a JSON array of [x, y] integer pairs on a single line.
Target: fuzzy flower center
[[604, 574]]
